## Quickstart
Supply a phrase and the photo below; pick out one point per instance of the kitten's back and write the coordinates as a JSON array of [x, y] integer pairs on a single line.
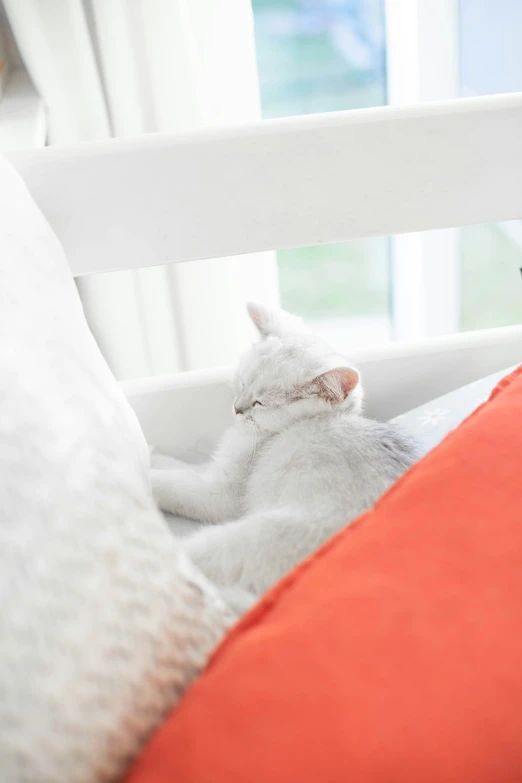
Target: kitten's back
[[337, 464]]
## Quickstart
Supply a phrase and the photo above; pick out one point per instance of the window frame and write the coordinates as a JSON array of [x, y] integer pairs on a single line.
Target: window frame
[[422, 64]]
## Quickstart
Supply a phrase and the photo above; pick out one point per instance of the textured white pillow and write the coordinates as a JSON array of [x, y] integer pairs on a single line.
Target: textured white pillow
[[104, 623]]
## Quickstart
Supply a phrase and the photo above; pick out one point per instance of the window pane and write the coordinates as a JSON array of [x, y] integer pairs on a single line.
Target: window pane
[[491, 287], [490, 50], [343, 290], [319, 56], [491, 255], [327, 55]]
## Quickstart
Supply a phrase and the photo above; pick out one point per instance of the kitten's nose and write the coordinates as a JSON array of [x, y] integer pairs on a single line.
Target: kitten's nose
[[238, 410]]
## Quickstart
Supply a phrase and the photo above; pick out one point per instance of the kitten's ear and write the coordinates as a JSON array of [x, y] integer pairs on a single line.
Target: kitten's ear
[[269, 320], [335, 385]]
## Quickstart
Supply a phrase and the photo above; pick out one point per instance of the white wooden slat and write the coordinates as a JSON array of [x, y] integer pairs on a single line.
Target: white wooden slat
[[160, 198]]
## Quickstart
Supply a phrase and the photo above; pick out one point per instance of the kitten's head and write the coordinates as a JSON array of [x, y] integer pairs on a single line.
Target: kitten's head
[[290, 374]]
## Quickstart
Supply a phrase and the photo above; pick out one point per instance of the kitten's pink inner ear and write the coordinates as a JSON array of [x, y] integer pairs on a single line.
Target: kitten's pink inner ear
[[260, 317], [335, 385]]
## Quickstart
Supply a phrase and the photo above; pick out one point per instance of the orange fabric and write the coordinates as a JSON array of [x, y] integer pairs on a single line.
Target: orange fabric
[[394, 654]]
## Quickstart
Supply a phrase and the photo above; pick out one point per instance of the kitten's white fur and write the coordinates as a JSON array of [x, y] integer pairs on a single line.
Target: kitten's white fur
[[299, 463]]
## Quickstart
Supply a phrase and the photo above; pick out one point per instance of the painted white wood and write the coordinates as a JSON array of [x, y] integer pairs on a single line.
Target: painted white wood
[[163, 198], [185, 414], [422, 64]]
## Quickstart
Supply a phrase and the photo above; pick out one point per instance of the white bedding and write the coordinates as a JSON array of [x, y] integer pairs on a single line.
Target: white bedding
[[431, 422]]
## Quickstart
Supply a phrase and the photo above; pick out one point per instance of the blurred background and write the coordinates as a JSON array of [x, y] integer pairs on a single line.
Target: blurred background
[[74, 71]]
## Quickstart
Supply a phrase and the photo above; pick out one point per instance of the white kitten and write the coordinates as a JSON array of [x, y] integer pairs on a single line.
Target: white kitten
[[299, 463]]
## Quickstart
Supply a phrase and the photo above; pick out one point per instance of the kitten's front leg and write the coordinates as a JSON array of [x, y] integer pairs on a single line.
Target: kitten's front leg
[[195, 492], [256, 550], [252, 552]]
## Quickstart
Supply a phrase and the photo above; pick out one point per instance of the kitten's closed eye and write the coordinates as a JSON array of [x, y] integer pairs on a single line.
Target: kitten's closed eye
[[257, 402]]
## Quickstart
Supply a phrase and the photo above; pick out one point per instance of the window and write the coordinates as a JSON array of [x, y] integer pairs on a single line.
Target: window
[[317, 56], [329, 55], [491, 256], [102, 72]]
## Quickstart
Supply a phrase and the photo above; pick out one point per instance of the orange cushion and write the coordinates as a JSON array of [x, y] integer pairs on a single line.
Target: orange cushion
[[394, 654]]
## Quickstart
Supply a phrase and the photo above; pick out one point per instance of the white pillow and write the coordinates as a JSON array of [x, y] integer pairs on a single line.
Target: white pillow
[[104, 623]]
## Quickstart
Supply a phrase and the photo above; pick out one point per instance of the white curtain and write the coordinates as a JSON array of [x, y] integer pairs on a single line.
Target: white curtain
[[126, 67]]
